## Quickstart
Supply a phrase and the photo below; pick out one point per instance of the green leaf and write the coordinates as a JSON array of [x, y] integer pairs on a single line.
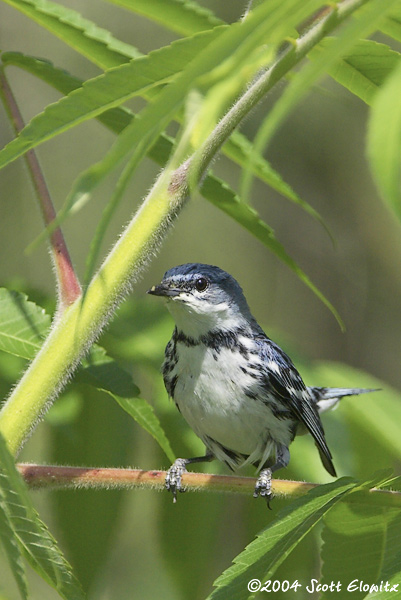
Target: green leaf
[[391, 568], [391, 25], [362, 544], [23, 324], [377, 414], [384, 140], [364, 69], [116, 119], [158, 67], [391, 588], [379, 418], [238, 148], [191, 564], [222, 196], [103, 373], [272, 21], [144, 415], [11, 547], [235, 41], [365, 22], [37, 543], [213, 189], [263, 556], [106, 91], [183, 16], [100, 435], [355, 537], [188, 17], [23, 328], [97, 44]]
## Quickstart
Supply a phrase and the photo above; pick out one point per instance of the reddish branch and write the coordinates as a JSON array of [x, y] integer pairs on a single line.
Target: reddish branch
[[54, 477], [68, 285]]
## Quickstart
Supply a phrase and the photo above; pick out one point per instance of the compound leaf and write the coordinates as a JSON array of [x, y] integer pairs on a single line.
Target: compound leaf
[[35, 541]]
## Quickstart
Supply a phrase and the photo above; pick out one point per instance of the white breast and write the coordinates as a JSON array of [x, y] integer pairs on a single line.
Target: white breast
[[210, 395]]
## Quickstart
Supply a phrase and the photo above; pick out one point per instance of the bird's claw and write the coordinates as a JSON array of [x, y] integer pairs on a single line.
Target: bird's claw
[[263, 486], [173, 478]]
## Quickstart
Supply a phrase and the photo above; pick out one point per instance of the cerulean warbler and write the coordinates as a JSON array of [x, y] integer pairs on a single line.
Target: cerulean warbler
[[238, 391]]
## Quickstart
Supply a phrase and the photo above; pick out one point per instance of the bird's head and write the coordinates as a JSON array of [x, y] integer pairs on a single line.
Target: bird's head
[[203, 298]]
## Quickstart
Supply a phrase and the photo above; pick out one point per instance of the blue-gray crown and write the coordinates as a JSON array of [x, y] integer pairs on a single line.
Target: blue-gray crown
[[208, 282], [190, 271]]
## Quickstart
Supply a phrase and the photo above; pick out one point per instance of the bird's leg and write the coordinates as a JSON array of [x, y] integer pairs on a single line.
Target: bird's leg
[[173, 478], [264, 482], [263, 485]]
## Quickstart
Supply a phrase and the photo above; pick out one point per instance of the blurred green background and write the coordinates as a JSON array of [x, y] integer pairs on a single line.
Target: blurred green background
[[137, 544]]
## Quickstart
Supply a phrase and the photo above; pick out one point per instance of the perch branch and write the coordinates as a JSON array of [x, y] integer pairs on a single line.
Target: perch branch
[[55, 477]]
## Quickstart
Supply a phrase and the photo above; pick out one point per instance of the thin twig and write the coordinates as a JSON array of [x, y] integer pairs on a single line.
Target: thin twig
[[68, 285], [55, 477]]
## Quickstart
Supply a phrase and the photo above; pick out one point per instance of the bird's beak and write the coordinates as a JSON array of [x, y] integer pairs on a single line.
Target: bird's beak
[[163, 289]]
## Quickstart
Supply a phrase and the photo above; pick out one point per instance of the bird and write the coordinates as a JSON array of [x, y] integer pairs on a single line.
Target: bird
[[236, 388]]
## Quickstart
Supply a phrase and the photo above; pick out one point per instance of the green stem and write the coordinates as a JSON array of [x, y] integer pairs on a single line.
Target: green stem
[[76, 329], [288, 59]]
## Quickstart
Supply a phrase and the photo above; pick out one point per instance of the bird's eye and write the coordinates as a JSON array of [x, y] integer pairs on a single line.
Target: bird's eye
[[201, 284]]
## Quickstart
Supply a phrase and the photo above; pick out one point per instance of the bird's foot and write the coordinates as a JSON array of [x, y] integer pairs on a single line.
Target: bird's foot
[[263, 486], [173, 478]]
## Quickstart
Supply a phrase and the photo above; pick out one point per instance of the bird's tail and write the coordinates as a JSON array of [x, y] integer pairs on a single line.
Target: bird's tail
[[328, 398]]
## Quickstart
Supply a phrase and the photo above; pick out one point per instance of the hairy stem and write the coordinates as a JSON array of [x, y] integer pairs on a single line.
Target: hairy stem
[[289, 57], [54, 477], [68, 285], [74, 331], [81, 323]]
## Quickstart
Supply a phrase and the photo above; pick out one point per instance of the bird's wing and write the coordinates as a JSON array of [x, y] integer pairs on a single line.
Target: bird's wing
[[282, 378]]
